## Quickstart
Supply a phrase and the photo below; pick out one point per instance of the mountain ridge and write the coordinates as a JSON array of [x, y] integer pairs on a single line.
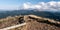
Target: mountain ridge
[[46, 14]]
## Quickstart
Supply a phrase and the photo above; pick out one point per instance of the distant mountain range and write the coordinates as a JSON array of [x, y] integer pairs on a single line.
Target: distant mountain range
[[46, 14]]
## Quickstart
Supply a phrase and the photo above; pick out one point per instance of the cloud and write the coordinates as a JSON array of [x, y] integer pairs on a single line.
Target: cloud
[[26, 5], [52, 5], [58, 5]]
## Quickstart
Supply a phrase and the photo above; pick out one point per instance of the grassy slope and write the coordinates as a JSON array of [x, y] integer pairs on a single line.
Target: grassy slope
[[9, 21]]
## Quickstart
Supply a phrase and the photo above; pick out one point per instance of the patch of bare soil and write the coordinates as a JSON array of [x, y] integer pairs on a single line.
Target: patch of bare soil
[[34, 25]]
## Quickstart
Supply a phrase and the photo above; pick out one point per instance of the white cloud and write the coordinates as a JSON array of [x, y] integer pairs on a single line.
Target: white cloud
[[52, 5], [26, 5], [58, 4]]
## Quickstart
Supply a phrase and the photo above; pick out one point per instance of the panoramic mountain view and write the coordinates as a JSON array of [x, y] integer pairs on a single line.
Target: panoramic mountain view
[[29, 14]]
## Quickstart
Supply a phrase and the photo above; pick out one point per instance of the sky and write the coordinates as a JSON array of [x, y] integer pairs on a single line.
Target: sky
[[29, 4]]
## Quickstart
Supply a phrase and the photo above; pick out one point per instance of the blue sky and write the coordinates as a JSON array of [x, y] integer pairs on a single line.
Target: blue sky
[[15, 4]]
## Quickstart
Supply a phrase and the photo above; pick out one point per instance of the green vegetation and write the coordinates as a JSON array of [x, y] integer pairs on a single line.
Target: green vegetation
[[46, 14]]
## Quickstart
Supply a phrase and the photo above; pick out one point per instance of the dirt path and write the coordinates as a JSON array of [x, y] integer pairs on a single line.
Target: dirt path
[[13, 26]]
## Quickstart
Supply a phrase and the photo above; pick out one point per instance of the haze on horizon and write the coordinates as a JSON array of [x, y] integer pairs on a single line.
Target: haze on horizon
[[29, 4]]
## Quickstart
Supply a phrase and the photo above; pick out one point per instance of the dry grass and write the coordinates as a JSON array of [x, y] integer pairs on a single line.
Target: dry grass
[[39, 24], [34, 23], [9, 21]]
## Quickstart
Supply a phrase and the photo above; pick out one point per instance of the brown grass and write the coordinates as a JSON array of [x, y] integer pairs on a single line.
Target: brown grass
[[32, 23], [9, 21]]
